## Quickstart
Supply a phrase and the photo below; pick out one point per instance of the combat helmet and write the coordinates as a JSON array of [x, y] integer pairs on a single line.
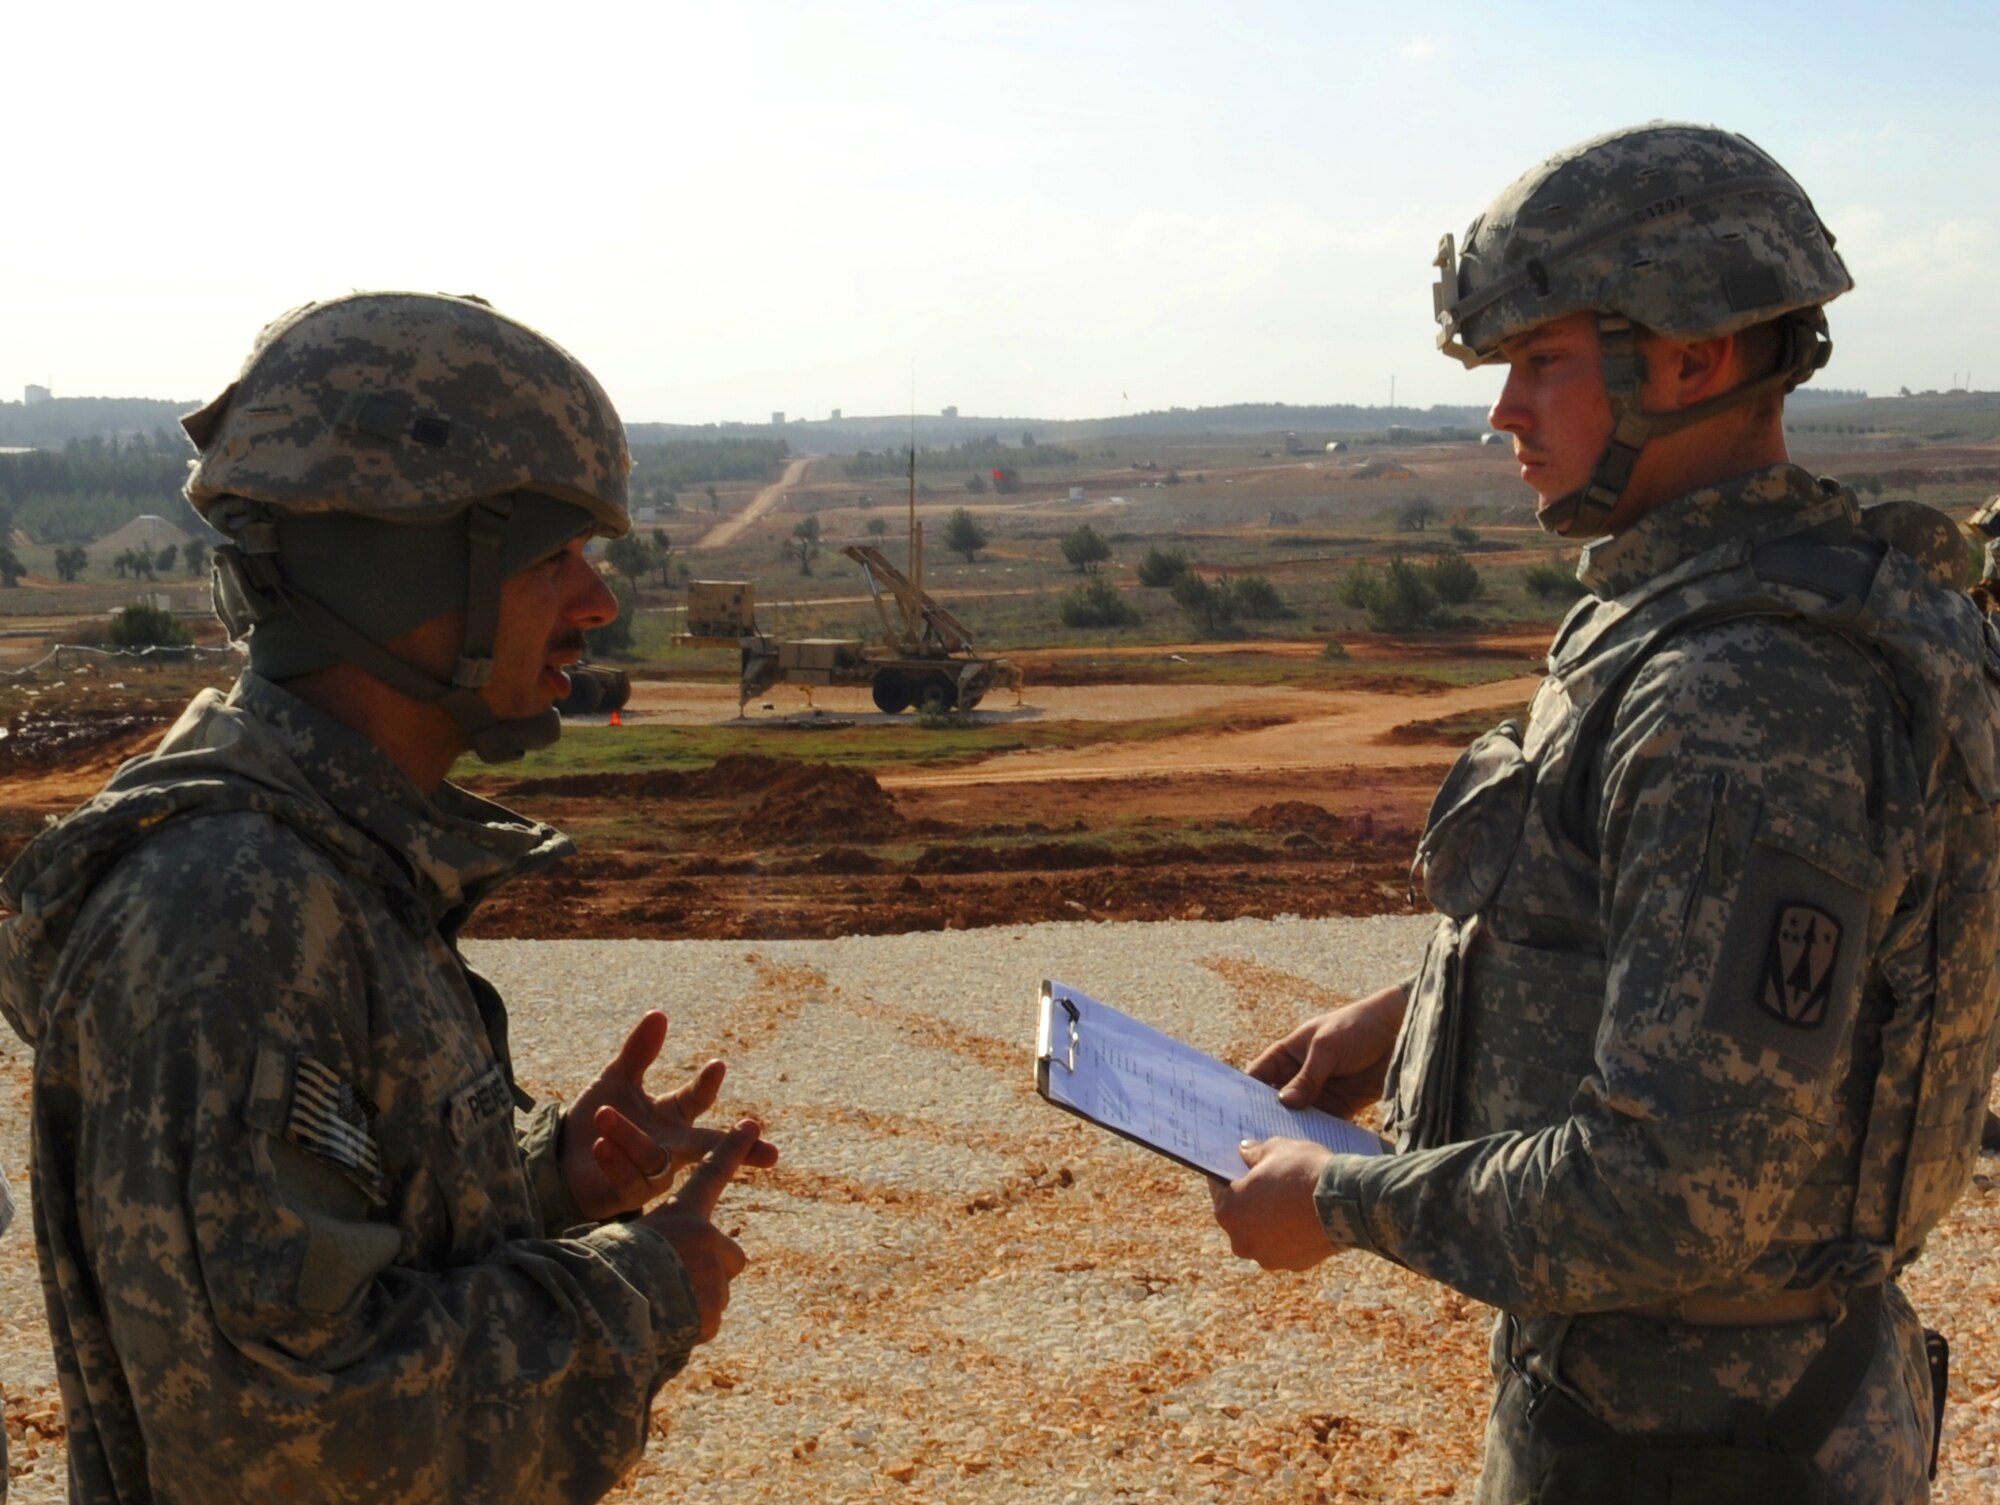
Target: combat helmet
[[403, 408], [1685, 230]]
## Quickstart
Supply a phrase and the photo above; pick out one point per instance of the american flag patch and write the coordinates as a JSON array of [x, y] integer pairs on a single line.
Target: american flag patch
[[331, 1118]]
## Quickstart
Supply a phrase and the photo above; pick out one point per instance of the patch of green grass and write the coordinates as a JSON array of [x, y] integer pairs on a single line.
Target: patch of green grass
[[640, 749]]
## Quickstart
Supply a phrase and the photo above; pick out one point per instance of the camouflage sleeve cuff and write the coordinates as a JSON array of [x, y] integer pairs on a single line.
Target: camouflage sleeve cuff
[[648, 1261], [540, 1135], [1342, 1211]]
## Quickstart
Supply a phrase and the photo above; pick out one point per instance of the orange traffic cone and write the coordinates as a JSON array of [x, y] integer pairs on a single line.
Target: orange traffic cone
[[616, 719]]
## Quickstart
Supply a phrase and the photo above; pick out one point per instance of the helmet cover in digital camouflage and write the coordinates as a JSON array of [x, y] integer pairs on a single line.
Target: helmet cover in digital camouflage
[[409, 407], [1685, 230]]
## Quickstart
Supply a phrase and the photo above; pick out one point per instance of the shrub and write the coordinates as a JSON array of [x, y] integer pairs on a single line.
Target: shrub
[[1359, 586], [1096, 603], [1335, 652], [963, 535], [1405, 601], [1085, 548], [1210, 605], [1551, 579], [142, 626], [1161, 567], [1454, 580], [1256, 598], [1463, 536]]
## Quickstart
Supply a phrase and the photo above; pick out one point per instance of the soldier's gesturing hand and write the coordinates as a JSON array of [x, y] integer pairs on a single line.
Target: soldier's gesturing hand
[[1337, 1061], [686, 1220], [622, 1147]]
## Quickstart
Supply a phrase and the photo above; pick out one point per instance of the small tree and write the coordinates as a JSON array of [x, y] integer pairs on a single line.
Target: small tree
[[1255, 597], [1551, 579], [1359, 586], [1162, 567], [11, 568], [194, 558], [164, 560], [143, 626], [877, 526], [1405, 601], [1006, 480], [631, 556], [1085, 548], [804, 546], [1172, 477], [71, 560], [663, 548], [1209, 604], [1096, 603], [1454, 579], [963, 535], [1463, 536], [976, 484], [1416, 515], [714, 501]]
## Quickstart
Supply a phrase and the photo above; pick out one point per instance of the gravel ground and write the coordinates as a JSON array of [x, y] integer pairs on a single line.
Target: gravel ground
[[959, 1294]]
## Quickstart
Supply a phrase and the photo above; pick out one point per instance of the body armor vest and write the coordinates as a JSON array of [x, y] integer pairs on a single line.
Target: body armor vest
[[1503, 1016]]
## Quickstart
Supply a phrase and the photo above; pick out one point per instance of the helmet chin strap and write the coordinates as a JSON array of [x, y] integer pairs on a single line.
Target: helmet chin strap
[[250, 587], [1583, 513]]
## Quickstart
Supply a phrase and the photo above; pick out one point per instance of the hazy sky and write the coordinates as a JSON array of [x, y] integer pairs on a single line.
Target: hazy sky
[[1059, 210]]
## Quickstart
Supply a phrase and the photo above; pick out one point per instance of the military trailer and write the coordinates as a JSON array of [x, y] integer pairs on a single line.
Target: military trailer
[[926, 659]]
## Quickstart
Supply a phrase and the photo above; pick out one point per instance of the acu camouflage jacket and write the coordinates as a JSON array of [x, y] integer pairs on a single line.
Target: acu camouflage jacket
[[1713, 1005], [293, 1244]]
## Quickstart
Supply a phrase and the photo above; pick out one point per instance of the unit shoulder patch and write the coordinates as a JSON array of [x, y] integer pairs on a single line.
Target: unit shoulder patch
[[1798, 965]]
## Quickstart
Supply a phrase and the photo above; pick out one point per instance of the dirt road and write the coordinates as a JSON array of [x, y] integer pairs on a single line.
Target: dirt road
[[730, 529]]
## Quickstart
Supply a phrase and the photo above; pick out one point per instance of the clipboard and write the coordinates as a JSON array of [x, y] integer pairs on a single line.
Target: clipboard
[[1109, 1069]]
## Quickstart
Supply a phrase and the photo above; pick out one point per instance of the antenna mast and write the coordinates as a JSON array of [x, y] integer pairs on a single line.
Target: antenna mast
[[916, 570]]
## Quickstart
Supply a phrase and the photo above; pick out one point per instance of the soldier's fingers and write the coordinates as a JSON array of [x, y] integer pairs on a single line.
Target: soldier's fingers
[[630, 1186], [734, 1260], [1275, 1064], [692, 1144], [703, 1188], [641, 1047], [694, 1097], [652, 1160], [1326, 1057]]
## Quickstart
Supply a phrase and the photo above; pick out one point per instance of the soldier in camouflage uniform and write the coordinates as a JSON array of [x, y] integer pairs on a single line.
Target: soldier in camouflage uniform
[[1698, 1053], [295, 1242]]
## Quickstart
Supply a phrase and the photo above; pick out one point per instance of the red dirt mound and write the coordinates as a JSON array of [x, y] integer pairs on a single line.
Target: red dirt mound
[[31, 742], [1316, 821], [810, 802]]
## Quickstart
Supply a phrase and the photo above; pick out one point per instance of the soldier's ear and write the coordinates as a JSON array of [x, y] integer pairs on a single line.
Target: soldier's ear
[[1683, 373]]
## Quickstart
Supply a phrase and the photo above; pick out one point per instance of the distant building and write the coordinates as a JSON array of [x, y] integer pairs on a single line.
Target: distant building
[[777, 417], [148, 531], [1493, 439], [834, 416], [32, 394], [951, 412], [1076, 493], [1292, 444]]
